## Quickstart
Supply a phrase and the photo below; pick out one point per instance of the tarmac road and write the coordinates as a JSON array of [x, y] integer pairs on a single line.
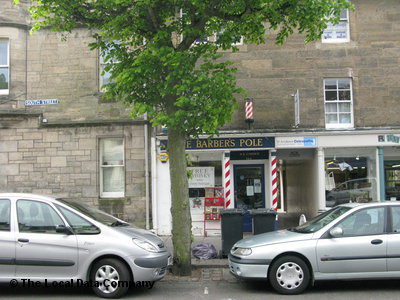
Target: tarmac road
[[221, 290]]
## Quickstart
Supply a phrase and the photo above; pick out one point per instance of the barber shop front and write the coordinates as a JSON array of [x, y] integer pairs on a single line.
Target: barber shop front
[[226, 172], [241, 172]]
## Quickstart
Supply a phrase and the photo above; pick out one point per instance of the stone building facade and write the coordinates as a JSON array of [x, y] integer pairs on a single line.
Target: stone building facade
[[55, 127], [329, 110], [318, 108]]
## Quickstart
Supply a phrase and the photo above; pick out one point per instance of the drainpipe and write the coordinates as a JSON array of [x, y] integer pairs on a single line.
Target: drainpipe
[[321, 180], [146, 170], [381, 164], [154, 211]]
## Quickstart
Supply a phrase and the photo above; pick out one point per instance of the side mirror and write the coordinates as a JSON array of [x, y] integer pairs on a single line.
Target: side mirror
[[64, 229], [336, 232]]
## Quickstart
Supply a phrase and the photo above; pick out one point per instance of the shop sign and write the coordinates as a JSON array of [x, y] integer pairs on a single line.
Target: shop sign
[[249, 155], [201, 177], [296, 142], [389, 138], [163, 157], [231, 143]]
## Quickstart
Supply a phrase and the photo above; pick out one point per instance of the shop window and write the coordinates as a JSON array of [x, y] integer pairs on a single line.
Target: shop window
[[338, 103], [4, 66], [392, 178], [112, 168], [339, 33], [349, 177]]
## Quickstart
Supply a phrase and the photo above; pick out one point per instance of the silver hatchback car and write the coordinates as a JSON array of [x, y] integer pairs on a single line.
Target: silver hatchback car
[[350, 241], [49, 242]]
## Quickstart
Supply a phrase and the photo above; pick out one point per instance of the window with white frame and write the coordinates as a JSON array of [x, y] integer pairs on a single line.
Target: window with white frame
[[4, 66], [236, 41], [339, 33], [104, 74], [338, 103], [112, 167]]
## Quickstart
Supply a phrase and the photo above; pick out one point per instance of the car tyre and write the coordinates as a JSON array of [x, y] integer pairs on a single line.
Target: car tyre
[[110, 278], [289, 275]]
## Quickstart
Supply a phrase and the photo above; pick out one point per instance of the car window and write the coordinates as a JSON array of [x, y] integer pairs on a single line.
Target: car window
[[78, 224], [37, 217], [396, 218], [5, 214], [364, 222]]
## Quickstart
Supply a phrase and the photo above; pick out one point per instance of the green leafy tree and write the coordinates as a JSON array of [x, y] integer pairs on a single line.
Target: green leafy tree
[[163, 64]]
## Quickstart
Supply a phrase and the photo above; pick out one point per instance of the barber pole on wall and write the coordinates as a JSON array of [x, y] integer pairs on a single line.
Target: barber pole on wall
[[249, 110], [227, 179], [274, 180]]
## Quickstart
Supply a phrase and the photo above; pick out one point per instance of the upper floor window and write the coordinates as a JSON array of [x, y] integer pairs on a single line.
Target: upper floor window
[[106, 61], [112, 167], [339, 33], [236, 41], [4, 66], [338, 103]]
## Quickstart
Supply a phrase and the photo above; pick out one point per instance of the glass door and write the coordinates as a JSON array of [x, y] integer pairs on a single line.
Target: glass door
[[249, 190]]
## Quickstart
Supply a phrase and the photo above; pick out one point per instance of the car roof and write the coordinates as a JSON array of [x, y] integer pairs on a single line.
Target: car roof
[[27, 195], [373, 203]]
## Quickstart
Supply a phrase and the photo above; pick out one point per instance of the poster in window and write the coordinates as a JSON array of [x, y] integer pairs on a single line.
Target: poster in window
[[257, 186]]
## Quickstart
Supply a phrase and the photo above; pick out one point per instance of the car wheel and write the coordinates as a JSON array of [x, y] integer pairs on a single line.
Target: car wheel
[[289, 275], [110, 278]]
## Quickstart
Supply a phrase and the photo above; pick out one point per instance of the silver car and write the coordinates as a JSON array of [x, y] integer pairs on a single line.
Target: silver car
[[49, 242], [350, 241]]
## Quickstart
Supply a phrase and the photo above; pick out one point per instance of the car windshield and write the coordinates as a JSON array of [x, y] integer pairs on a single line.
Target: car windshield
[[95, 214], [321, 220]]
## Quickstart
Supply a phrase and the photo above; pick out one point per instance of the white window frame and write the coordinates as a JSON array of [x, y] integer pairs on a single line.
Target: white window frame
[[102, 65], [332, 28], [239, 43], [6, 66], [209, 39], [103, 166], [338, 125]]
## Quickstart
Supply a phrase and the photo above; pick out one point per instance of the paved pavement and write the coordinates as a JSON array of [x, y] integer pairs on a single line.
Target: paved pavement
[[203, 269]]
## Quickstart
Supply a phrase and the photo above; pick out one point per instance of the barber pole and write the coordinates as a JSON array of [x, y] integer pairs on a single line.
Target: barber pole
[[227, 179], [249, 110], [274, 180]]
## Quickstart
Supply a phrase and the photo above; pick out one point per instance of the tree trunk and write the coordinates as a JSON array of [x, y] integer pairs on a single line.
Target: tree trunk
[[180, 208]]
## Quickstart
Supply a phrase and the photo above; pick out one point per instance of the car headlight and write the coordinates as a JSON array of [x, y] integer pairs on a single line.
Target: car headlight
[[242, 251], [145, 245]]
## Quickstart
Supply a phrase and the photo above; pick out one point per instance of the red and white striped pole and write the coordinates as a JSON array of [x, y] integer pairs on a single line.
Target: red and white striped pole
[[274, 180], [227, 179], [249, 110]]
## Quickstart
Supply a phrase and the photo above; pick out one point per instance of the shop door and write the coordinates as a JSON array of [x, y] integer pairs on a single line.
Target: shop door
[[249, 190]]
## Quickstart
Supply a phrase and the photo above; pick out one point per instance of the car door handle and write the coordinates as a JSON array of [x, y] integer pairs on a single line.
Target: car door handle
[[23, 240], [376, 242]]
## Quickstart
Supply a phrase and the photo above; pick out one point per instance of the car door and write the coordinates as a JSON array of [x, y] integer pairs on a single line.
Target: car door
[[361, 247], [7, 245], [393, 252], [41, 251]]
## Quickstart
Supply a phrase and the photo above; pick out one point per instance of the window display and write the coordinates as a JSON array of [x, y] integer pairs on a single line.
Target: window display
[[350, 176]]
